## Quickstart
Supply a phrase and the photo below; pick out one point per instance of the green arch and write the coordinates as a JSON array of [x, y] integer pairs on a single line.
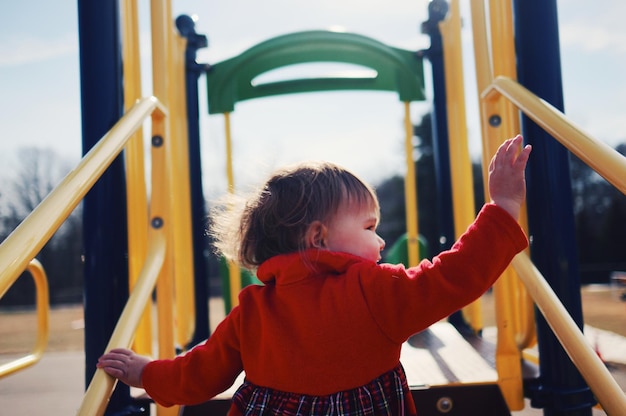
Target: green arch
[[398, 70]]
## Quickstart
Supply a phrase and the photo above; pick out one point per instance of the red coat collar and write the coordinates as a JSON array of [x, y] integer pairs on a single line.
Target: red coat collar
[[290, 268]]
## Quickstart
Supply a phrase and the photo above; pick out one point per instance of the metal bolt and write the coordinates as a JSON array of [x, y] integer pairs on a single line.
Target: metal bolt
[[444, 404], [157, 141], [495, 120], [157, 222]]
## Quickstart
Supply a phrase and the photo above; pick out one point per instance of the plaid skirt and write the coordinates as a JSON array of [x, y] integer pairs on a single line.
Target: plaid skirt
[[387, 395]]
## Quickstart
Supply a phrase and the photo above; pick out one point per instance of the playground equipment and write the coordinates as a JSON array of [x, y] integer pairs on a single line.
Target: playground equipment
[[159, 257]]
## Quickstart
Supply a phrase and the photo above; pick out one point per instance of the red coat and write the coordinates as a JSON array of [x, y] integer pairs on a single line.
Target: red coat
[[326, 322]]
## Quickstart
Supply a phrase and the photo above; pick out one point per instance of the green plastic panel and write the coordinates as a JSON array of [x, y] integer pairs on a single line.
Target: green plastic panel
[[397, 70]]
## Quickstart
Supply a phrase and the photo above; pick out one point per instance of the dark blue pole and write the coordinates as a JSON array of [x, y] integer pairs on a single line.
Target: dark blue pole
[[560, 389], [104, 207], [193, 70], [437, 10]]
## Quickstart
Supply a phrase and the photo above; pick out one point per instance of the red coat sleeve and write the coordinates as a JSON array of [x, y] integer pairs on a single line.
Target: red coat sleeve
[[405, 301], [200, 374]]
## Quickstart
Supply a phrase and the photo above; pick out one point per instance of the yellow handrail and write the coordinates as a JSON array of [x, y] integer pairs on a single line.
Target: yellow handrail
[[612, 166], [607, 162], [21, 246], [43, 316], [601, 382], [96, 398]]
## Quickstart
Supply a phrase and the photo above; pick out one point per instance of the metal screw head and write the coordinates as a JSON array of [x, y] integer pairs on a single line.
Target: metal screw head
[[495, 120], [156, 222], [157, 141], [444, 404]]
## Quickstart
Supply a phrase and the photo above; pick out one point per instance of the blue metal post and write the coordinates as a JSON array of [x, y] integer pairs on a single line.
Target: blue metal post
[[560, 389], [437, 10], [104, 218], [195, 41]]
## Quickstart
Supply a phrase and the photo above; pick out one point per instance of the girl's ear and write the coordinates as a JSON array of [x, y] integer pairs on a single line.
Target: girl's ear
[[315, 235]]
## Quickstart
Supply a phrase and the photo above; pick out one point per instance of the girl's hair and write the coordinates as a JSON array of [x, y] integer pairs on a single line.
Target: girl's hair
[[275, 219]]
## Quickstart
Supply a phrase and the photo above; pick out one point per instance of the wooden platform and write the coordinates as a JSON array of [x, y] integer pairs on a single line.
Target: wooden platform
[[440, 356]]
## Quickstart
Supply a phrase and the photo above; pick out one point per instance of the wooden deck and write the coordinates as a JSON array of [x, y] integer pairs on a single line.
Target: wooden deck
[[440, 355]]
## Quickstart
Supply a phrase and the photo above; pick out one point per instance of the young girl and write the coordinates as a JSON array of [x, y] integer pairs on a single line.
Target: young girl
[[323, 334]]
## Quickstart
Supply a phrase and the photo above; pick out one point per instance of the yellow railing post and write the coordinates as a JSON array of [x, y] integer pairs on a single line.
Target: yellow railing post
[[460, 161], [234, 272], [504, 61], [502, 119], [410, 191], [162, 154], [496, 125], [136, 197], [181, 192]]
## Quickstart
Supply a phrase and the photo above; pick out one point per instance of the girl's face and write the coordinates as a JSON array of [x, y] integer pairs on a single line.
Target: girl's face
[[353, 230]]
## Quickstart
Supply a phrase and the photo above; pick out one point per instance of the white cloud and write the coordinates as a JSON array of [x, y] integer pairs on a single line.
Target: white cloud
[[21, 50], [592, 26], [593, 37]]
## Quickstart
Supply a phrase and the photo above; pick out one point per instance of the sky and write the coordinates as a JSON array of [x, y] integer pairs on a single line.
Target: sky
[[40, 82]]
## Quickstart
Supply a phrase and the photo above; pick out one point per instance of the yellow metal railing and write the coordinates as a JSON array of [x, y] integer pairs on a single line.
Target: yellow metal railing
[[521, 318], [21, 246], [234, 271], [498, 97], [611, 165], [494, 53], [136, 193], [606, 161], [43, 313], [170, 191], [160, 25], [460, 162], [157, 256], [601, 382], [410, 191], [169, 262], [96, 398], [17, 251], [503, 97]]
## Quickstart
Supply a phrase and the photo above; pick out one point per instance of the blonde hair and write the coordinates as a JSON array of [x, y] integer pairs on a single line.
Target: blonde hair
[[275, 219]]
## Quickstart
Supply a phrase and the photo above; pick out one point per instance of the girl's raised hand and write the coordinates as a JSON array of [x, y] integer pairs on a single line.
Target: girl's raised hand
[[507, 181]]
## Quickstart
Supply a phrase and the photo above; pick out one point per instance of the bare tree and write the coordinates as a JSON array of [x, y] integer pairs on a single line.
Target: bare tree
[[37, 172]]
